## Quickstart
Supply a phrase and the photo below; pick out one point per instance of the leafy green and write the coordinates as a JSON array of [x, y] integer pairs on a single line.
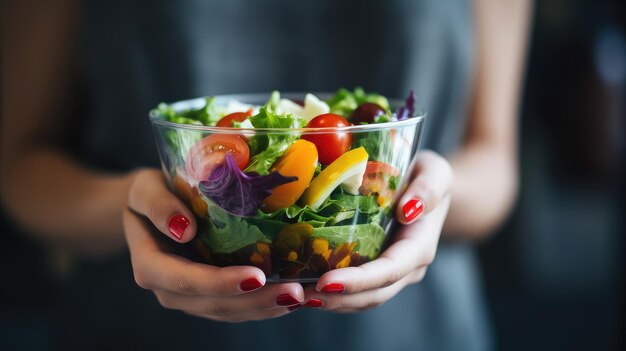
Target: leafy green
[[378, 145], [369, 237], [394, 181], [206, 115], [339, 208], [365, 204], [267, 148], [180, 141], [228, 233], [345, 101]]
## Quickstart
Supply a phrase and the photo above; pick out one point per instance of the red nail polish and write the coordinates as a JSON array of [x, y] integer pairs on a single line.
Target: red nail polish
[[286, 300], [314, 303], [412, 209], [333, 288], [250, 284], [177, 225]]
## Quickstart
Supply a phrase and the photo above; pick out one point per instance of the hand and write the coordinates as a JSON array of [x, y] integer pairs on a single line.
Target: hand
[[232, 294], [421, 210]]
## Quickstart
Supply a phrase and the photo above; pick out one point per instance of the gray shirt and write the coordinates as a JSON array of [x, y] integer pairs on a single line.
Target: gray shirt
[[138, 53]]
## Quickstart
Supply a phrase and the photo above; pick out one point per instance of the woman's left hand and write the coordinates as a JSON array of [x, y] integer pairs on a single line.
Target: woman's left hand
[[422, 210]]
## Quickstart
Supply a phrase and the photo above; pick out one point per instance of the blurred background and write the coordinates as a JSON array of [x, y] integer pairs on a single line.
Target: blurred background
[[555, 273]]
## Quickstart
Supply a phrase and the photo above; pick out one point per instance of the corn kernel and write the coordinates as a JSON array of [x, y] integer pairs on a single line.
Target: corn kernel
[[263, 248], [326, 254], [256, 259], [320, 246], [344, 263]]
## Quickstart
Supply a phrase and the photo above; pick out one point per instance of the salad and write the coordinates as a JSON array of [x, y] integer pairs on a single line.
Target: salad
[[290, 186]]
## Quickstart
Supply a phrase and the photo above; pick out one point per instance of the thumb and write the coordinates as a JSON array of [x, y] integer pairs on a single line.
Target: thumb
[[150, 197], [431, 180]]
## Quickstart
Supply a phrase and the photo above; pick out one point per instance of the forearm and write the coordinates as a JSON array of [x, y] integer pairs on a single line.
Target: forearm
[[60, 202], [485, 168], [483, 192]]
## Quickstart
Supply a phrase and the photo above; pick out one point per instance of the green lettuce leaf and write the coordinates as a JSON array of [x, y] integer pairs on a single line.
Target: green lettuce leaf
[[345, 101], [228, 233], [368, 237], [378, 145], [206, 115], [267, 148]]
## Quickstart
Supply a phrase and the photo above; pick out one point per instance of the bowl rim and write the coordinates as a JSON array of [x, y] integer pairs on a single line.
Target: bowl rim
[[418, 117]]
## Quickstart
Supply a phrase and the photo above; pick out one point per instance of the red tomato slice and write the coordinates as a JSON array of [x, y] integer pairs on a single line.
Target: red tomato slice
[[331, 145], [376, 181], [210, 152], [381, 167], [227, 121]]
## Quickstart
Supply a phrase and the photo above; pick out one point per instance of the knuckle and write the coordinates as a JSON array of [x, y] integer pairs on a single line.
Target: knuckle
[[179, 283], [372, 305], [391, 275], [165, 301], [157, 208], [141, 280], [217, 309], [429, 258], [334, 304], [418, 275]]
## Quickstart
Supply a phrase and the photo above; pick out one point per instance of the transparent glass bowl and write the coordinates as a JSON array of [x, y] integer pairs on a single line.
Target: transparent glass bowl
[[299, 244]]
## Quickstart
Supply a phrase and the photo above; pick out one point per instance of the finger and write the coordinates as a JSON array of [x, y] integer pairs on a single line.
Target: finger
[[367, 299], [272, 296], [431, 182], [155, 269], [245, 317], [414, 246], [150, 197]]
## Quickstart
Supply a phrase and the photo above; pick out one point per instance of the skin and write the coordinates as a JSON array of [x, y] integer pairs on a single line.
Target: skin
[[39, 42]]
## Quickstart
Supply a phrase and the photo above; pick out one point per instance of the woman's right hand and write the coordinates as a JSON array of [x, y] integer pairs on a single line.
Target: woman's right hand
[[233, 294]]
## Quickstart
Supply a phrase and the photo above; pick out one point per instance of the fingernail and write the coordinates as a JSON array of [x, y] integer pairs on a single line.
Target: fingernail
[[250, 284], [412, 209], [333, 288], [286, 300], [295, 307], [314, 303], [177, 225]]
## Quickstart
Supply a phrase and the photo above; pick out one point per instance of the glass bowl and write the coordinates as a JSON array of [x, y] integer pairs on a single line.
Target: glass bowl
[[305, 240]]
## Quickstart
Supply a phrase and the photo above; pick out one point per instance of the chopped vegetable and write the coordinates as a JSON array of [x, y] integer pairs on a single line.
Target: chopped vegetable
[[347, 170], [408, 110], [269, 147], [299, 161], [240, 193], [262, 197], [345, 101]]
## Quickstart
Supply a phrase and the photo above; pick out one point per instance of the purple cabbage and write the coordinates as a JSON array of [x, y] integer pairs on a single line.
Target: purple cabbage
[[408, 109], [240, 193]]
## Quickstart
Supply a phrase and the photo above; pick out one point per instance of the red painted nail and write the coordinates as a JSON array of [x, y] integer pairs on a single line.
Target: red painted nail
[[333, 288], [314, 303], [412, 209], [250, 284], [177, 225], [286, 300], [294, 307]]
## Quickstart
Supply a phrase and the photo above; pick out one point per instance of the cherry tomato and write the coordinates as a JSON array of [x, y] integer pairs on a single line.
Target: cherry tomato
[[376, 180], [329, 145], [227, 121], [210, 152], [366, 113], [300, 161]]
